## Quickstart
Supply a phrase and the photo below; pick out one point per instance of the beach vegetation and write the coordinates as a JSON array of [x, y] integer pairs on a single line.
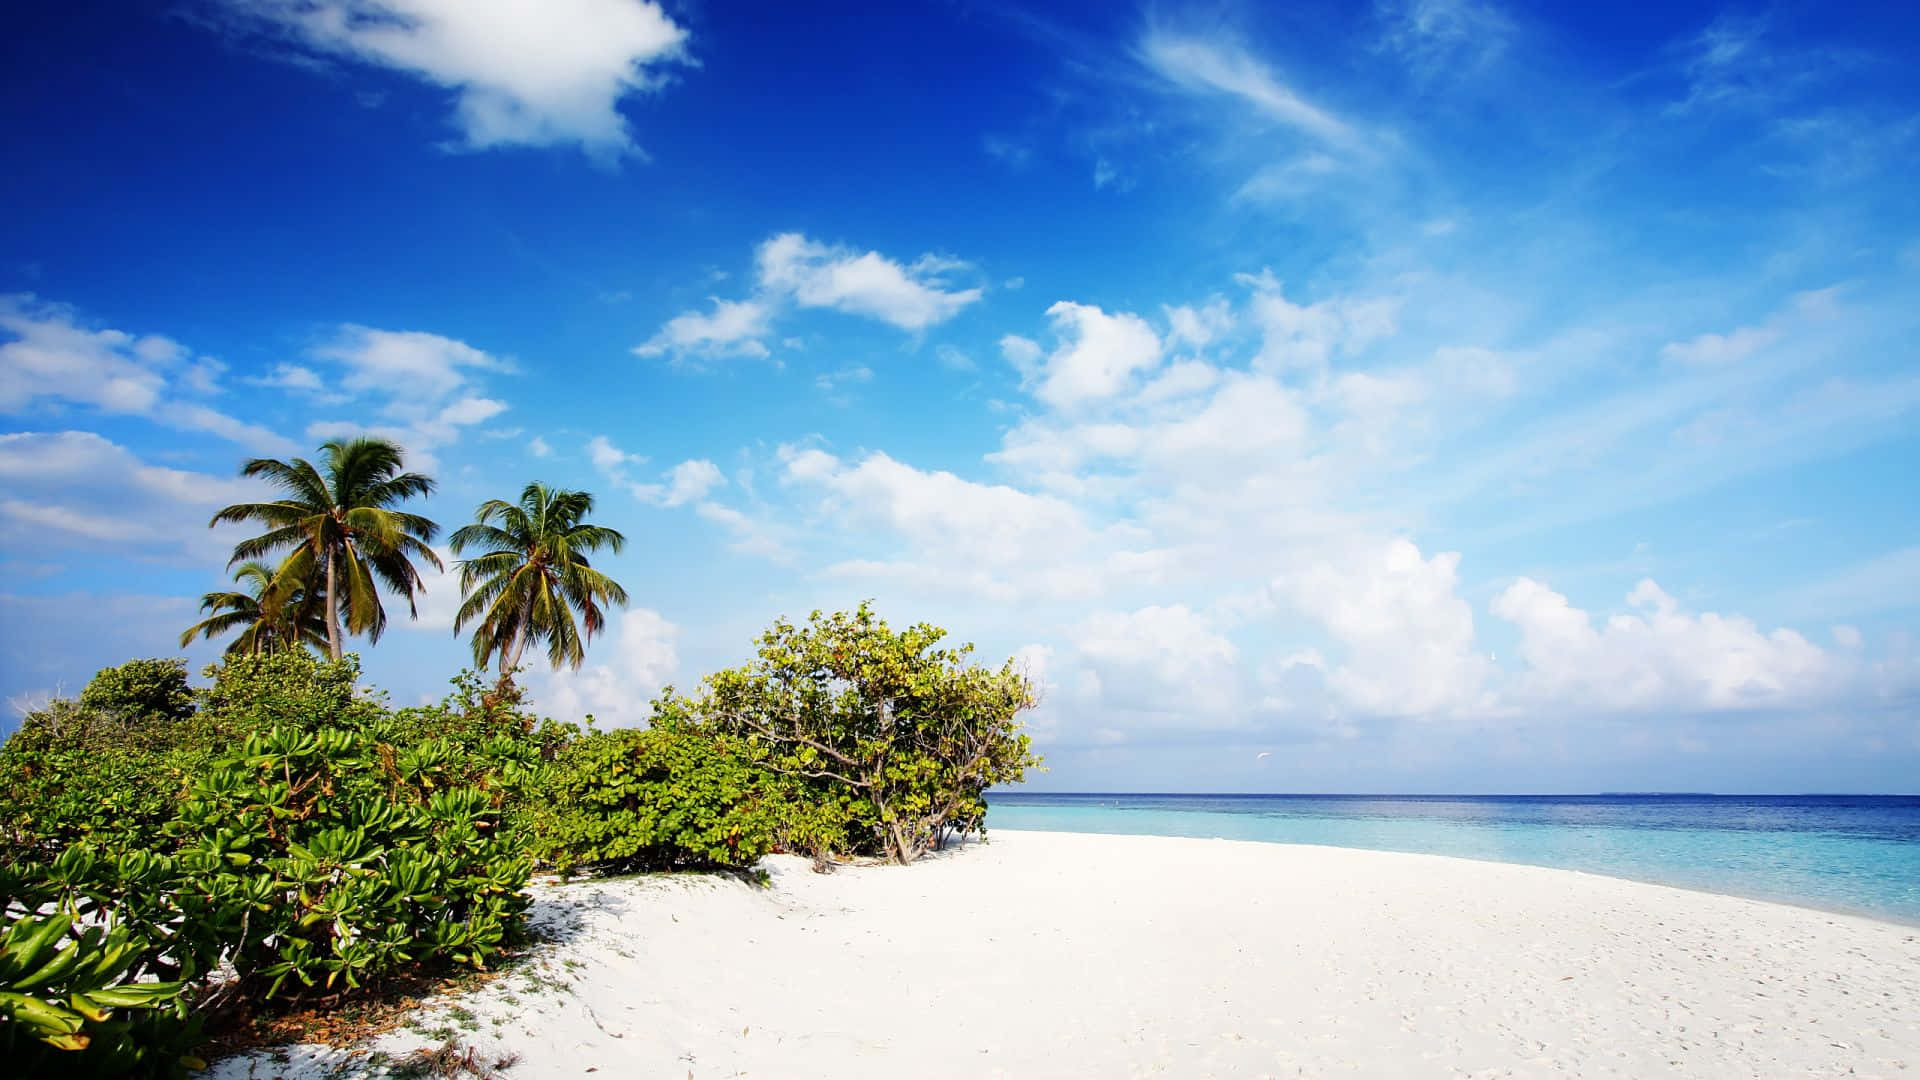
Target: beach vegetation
[[291, 842], [140, 689], [530, 572], [905, 733], [281, 839], [657, 799], [339, 529], [263, 616]]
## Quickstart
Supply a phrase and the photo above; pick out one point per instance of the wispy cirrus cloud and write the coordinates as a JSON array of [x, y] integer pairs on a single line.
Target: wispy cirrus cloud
[[1220, 66], [49, 360]]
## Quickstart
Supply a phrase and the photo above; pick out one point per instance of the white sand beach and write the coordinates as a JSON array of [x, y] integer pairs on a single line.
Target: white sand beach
[[1067, 955]]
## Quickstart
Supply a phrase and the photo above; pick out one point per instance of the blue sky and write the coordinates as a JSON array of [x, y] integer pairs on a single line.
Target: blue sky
[[1438, 396]]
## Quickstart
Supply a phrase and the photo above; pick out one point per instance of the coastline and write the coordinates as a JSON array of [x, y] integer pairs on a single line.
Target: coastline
[[1776, 900], [1056, 954]]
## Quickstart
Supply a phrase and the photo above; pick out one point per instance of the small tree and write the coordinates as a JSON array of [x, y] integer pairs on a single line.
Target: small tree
[[912, 731], [141, 689]]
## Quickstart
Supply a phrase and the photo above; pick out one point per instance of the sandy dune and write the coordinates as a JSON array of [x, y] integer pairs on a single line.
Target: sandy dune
[[1056, 955]]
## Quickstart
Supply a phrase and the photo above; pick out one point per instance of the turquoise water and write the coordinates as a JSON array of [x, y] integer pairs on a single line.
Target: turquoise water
[[1841, 853]]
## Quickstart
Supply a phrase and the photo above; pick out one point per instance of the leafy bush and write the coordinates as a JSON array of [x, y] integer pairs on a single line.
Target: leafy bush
[[326, 861], [656, 800], [907, 733], [61, 993], [153, 689], [293, 828], [114, 794], [291, 689]]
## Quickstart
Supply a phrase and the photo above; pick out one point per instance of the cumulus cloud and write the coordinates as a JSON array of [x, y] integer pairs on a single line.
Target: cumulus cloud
[[1658, 658], [623, 673], [1407, 636], [47, 359], [545, 74], [733, 327], [687, 482], [995, 524], [795, 272], [610, 459], [1297, 336], [1197, 326], [1160, 659], [912, 296], [409, 365], [1098, 355]]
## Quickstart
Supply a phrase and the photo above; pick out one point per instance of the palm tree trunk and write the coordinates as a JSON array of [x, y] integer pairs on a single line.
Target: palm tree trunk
[[509, 662], [333, 611]]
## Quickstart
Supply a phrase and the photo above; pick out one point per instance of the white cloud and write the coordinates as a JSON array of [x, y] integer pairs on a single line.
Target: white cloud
[[440, 599], [1730, 64], [1721, 348], [609, 458], [993, 524], [1195, 63], [911, 297], [830, 381], [1307, 336], [734, 327], [623, 673], [47, 359], [1198, 327], [407, 365], [687, 482], [1022, 354], [423, 385], [545, 74], [1098, 355], [953, 359], [796, 272], [92, 489], [539, 447], [746, 535], [1160, 659], [1408, 637], [295, 378], [1659, 658], [1435, 38]]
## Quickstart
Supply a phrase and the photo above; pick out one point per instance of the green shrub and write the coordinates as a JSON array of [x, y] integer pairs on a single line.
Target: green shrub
[[293, 827], [655, 800], [114, 794], [152, 689], [325, 861], [905, 735], [69, 1004], [287, 689]]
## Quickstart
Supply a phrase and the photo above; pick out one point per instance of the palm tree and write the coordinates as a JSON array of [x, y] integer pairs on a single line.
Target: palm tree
[[340, 530], [531, 574], [267, 621]]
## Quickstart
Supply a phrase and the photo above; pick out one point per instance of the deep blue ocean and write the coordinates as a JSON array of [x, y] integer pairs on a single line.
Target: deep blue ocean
[[1849, 853]]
